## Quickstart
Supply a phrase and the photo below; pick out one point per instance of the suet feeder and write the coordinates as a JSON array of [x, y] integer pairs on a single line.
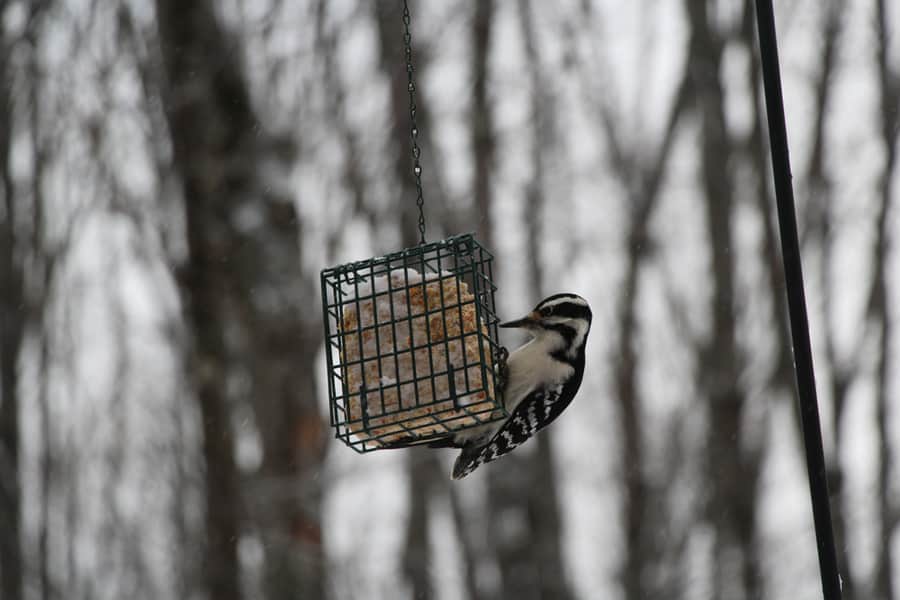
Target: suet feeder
[[411, 338], [412, 344]]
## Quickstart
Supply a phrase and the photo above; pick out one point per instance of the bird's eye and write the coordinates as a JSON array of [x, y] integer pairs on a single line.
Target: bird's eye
[[546, 311]]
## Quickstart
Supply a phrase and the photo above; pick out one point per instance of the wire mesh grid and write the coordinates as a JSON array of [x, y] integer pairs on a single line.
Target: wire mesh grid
[[412, 344]]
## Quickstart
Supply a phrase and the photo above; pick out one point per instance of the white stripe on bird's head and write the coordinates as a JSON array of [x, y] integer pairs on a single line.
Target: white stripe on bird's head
[[560, 322]]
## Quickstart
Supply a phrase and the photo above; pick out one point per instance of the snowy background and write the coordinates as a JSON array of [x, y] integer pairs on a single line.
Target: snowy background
[[176, 174]]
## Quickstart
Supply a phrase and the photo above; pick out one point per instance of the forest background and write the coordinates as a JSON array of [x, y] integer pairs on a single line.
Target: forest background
[[175, 174]]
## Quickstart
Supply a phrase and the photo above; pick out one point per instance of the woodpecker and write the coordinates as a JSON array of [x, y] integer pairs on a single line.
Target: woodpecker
[[543, 377]]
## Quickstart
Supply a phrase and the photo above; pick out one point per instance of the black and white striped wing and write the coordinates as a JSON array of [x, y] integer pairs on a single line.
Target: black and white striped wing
[[537, 410]]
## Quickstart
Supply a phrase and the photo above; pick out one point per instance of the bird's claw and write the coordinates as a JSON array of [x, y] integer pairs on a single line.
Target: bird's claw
[[502, 370]]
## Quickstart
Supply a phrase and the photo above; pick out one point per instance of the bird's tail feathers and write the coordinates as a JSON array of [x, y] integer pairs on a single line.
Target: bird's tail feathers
[[468, 460]]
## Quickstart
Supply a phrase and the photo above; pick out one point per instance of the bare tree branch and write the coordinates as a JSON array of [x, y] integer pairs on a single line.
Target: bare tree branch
[[879, 307]]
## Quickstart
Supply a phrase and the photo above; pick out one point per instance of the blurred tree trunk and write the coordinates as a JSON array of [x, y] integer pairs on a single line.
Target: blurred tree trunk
[[12, 319], [733, 458], [642, 179], [242, 286], [326, 43], [530, 556], [629, 403], [206, 105], [782, 375], [422, 464], [821, 206], [511, 536], [23, 302], [424, 469], [481, 120], [781, 378], [285, 403], [643, 182], [42, 272], [140, 40], [880, 307], [483, 149]]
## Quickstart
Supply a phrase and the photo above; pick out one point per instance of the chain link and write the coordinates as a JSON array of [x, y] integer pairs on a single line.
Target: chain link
[[414, 130]]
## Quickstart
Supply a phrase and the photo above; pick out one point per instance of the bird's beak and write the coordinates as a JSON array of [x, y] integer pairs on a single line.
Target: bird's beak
[[526, 322]]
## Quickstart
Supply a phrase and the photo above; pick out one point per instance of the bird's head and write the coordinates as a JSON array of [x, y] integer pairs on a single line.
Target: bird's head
[[562, 320]]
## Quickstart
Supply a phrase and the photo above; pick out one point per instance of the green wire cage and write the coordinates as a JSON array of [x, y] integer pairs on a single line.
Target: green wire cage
[[412, 345]]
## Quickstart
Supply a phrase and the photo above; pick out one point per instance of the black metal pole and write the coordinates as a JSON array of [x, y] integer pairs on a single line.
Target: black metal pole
[[790, 250]]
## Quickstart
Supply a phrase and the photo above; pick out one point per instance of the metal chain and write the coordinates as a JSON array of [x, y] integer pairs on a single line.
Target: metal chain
[[414, 130]]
